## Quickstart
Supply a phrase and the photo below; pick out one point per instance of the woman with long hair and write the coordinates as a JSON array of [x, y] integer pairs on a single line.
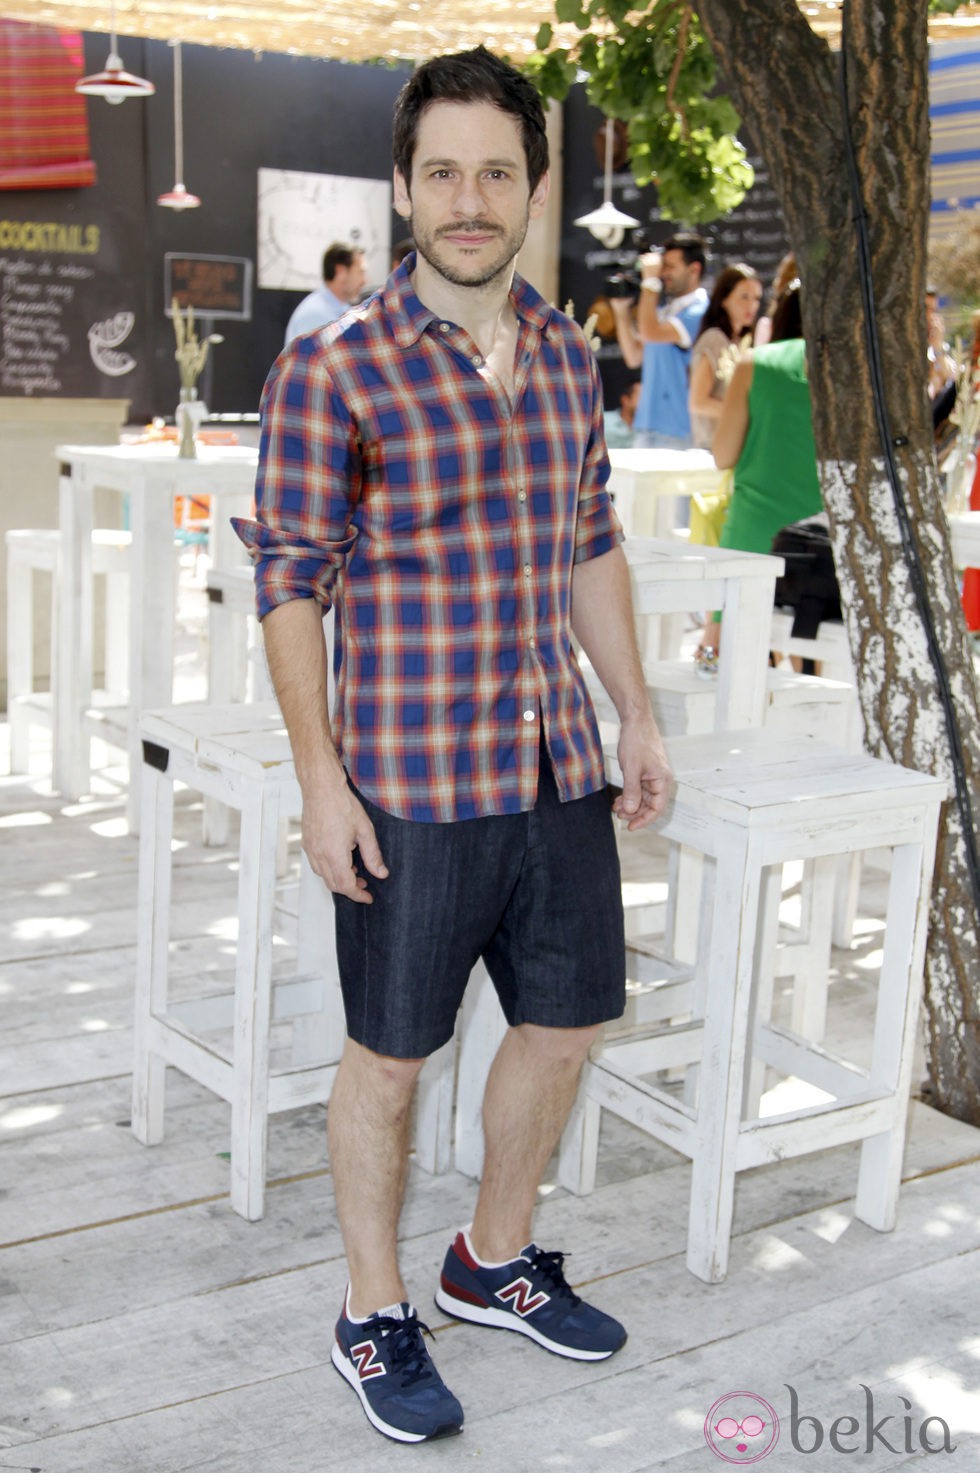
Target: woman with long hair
[[731, 312]]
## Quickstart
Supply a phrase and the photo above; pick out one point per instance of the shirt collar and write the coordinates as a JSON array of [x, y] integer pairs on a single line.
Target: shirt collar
[[333, 299], [409, 318], [677, 304]]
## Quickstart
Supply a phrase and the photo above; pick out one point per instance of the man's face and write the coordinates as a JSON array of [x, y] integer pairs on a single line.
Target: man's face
[[630, 402], [348, 281], [677, 276], [469, 202]]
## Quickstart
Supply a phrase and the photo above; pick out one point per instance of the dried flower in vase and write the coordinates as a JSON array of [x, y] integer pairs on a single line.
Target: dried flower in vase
[[192, 353]]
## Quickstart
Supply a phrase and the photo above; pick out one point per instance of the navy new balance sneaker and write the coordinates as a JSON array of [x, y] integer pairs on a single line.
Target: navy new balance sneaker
[[529, 1295], [385, 1360]]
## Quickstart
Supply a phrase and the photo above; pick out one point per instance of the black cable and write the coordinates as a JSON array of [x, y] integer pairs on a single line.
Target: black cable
[[910, 551]]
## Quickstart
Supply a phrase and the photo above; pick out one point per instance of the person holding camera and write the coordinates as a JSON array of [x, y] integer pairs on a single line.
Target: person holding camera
[[658, 340]]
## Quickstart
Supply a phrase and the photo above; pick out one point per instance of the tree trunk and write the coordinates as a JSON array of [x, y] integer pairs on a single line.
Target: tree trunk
[[786, 83]]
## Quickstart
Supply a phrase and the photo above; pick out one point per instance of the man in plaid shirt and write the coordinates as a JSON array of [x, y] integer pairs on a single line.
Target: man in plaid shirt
[[435, 466]]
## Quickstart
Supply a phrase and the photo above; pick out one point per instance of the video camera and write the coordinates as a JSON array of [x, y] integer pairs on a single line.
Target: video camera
[[625, 283]]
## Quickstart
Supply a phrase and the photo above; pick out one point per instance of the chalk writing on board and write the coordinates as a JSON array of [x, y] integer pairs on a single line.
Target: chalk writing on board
[[104, 339], [35, 297]]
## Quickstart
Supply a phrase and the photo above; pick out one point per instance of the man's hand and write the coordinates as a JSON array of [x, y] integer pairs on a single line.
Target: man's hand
[[334, 825], [647, 778]]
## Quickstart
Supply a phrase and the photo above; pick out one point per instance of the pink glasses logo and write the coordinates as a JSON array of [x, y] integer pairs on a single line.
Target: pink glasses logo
[[741, 1428]]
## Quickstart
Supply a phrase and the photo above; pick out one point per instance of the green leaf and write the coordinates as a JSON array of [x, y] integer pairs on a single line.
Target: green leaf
[[543, 39], [570, 13]]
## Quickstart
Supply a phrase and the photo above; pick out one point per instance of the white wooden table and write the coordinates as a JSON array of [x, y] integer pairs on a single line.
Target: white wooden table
[[670, 577], [650, 487], [152, 476]]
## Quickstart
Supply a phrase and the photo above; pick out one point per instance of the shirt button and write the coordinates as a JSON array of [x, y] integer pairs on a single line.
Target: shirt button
[[444, 327], [527, 570], [530, 715], [522, 495], [476, 360], [532, 641]]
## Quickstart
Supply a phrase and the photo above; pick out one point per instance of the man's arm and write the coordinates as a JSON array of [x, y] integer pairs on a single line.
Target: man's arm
[[334, 822], [630, 342], [602, 618]]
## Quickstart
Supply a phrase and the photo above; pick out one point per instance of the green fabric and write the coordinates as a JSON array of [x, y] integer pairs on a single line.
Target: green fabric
[[776, 473]]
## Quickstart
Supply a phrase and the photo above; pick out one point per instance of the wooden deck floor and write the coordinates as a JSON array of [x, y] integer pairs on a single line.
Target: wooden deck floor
[[146, 1328]]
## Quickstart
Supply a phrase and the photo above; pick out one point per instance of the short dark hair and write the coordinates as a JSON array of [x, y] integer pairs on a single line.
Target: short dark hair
[[691, 247], [470, 76], [716, 314], [338, 254]]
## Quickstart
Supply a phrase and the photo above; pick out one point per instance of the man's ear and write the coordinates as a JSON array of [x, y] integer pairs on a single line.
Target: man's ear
[[401, 198], [539, 195]]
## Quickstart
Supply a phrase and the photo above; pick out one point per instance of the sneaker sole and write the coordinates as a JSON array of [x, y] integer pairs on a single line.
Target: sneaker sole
[[502, 1319], [343, 1365]]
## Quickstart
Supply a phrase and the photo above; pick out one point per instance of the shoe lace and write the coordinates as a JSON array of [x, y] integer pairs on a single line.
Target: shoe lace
[[407, 1351], [549, 1265]]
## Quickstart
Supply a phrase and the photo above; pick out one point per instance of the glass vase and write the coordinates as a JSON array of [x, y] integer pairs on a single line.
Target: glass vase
[[189, 416]]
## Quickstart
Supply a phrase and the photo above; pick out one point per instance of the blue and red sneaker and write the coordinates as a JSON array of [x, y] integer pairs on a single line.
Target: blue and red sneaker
[[385, 1360], [529, 1295]]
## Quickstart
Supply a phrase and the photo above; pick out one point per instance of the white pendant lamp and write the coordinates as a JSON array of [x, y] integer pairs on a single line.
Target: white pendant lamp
[[114, 84], [178, 198], [608, 224]]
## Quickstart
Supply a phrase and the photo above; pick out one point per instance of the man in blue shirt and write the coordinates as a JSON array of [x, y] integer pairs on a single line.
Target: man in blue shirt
[[659, 341], [344, 275]]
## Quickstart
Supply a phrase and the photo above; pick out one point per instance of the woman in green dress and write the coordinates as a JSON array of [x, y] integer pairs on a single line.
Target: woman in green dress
[[766, 434]]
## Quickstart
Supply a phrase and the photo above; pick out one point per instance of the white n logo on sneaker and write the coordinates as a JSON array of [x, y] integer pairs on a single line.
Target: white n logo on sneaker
[[517, 1294], [365, 1359]]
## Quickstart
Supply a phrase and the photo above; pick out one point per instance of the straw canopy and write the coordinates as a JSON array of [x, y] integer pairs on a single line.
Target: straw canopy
[[387, 30]]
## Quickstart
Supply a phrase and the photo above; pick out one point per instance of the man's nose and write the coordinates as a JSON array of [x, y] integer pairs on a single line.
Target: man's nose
[[469, 198]]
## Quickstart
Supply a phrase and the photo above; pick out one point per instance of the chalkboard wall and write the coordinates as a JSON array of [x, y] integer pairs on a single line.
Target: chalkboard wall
[[82, 310], [82, 297]]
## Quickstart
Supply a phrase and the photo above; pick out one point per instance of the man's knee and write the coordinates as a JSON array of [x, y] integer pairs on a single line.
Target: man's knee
[[558, 1048], [378, 1076]]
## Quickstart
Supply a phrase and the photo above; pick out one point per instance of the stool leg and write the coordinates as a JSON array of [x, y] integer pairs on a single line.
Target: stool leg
[[812, 953], [117, 634], [253, 1001], [152, 953], [434, 1110], [896, 1016], [20, 658], [482, 1030], [318, 1037], [731, 971], [761, 1005], [578, 1152]]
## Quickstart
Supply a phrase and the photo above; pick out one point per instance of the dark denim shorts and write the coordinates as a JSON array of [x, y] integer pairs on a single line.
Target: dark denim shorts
[[536, 895]]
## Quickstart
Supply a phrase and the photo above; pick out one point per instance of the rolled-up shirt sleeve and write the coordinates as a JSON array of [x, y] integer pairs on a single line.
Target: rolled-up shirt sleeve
[[308, 483], [597, 527]]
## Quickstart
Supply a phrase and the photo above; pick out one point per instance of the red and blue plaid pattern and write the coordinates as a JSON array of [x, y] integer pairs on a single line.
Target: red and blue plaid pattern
[[392, 460]]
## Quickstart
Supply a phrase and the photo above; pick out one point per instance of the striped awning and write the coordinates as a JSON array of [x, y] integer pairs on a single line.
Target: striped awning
[[954, 112], [44, 140]]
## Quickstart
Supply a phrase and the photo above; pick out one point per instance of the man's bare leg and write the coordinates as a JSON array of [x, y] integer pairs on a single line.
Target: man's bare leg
[[367, 1131], [530, 1091]]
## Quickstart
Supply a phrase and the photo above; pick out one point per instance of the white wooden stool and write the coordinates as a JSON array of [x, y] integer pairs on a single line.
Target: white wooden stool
[[32, 550], [240, 755], [750, 801]]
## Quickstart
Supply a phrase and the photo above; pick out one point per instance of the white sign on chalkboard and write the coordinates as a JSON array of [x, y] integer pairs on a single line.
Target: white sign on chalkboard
[[301, 214]]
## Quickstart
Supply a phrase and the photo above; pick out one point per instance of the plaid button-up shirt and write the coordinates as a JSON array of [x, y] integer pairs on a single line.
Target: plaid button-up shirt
[[398, 479]]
